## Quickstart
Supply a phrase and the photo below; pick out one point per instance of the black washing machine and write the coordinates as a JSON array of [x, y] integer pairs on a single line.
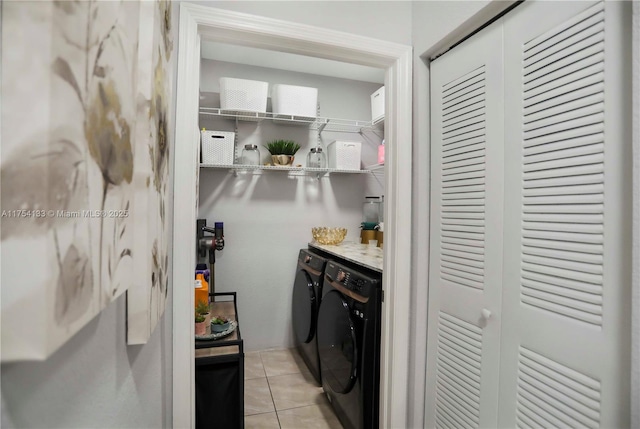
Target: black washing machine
[[349, 344], [307, 294]]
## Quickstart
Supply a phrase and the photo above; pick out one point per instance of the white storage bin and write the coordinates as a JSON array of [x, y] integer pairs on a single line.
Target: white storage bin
[[218, 147], [344, 155], [292, 100], [377, 105], [243, 95]]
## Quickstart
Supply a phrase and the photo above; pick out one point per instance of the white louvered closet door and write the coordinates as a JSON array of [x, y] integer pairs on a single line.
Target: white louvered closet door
[[466, 238], [565, 339]]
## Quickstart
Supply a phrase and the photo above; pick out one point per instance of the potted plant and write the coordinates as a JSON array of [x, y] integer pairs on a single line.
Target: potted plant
[[202, 308], [200, 327], [219, 324], [282, 151]]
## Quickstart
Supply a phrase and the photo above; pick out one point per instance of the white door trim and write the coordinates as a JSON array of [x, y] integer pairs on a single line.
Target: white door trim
[[239, 28]]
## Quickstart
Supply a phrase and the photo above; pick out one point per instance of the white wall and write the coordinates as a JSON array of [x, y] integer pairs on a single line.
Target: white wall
[[268, 216], [95, 380]]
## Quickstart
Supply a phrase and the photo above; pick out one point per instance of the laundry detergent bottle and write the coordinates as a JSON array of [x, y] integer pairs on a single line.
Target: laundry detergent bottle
[[201, 287]]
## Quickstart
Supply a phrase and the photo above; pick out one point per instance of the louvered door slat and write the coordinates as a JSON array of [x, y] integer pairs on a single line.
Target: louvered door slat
[[592, 25], [543, 41], [465, 143], [565, 135], [568, 283], [471, 251], [562, 218], [551, 112], [479, 145], [572, 124], [462, 253], [581, 69], [451, 158], [583, 50], [561, 181], [586, 109], [566, 153], [561, 55], [466, 262], [591, 298], [573, 397], [554, 253], [575, 142], [458, 366], [463, 117], [578, 89]]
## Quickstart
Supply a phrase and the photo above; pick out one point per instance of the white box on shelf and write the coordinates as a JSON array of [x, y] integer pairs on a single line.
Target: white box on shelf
[[243, 95], [218, 147], [344, 155], [299, 101], [377, 105]]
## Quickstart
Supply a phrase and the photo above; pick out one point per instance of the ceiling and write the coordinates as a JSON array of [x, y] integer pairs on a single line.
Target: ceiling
[[292, 62]]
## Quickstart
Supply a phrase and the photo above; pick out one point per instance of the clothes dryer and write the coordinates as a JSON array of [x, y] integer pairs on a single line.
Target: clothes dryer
[[307, 294], [349, 344]]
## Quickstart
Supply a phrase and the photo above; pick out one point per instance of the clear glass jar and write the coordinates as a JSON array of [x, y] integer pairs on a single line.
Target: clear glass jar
[[371, 210], [316, 158], [250, 155]]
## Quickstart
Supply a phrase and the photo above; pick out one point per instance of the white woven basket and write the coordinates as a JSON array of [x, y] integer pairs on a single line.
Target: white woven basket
[[217, 147], [344, 155], [242, 95], [295, 101]]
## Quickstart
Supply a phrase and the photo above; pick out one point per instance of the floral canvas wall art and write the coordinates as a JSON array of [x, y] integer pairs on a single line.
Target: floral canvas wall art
[[146, 300], [69, 80]]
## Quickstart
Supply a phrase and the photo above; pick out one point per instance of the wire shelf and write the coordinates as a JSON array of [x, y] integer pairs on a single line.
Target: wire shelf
[[235, 168], [319, 123]]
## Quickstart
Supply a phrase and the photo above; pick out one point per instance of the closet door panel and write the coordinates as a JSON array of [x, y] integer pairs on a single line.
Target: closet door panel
[[466, 241], [564, 350]]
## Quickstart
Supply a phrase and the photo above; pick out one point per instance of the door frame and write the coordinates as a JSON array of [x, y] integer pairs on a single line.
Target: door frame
[[255, 31]]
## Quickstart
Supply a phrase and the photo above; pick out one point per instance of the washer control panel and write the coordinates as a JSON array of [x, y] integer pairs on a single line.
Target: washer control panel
[[351, 280]]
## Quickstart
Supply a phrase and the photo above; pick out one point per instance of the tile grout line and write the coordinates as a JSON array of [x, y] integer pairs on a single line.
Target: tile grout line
[[270, 392]]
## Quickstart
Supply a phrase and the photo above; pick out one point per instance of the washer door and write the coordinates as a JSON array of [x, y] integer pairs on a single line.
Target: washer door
[[304, 307], [337, 343]]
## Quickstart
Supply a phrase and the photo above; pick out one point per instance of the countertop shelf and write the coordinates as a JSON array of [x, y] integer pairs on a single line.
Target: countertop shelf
[[361, 254]]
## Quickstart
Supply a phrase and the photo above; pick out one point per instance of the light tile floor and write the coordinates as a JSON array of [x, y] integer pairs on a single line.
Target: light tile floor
[[281, 393]]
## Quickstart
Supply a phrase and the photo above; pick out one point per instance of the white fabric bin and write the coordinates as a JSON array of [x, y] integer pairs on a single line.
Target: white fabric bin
[[294, 100], [344, 155], [218, 147], [243, 95], [377, 105]]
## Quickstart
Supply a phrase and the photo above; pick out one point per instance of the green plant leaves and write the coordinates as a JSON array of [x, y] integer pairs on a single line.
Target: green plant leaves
[[282, 147]]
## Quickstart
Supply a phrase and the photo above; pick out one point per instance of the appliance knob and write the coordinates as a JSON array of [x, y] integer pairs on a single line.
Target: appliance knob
[[341, 276], [307, 259]]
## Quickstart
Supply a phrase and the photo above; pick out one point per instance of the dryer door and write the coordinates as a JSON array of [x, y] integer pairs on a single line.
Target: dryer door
[[337, 343], [304, 311]]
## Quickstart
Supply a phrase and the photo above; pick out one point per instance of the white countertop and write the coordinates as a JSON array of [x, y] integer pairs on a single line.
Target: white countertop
[[362, 254]]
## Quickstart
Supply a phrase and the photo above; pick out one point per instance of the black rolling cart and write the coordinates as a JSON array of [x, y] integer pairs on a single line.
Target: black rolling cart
[[219, 371]]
